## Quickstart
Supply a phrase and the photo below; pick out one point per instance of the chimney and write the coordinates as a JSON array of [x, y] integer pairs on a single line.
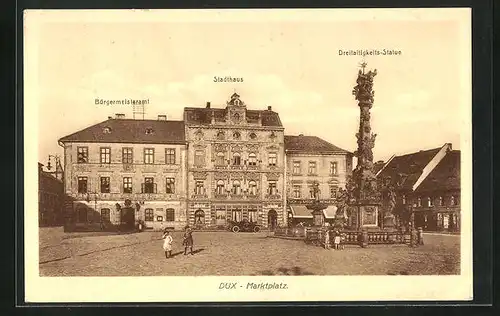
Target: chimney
[[110, 117], [301, 134], [162, 117], [269, 108], [208, 105], [119, 116]]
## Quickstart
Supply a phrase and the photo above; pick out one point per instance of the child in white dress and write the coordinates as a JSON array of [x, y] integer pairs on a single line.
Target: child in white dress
[[167, 244]]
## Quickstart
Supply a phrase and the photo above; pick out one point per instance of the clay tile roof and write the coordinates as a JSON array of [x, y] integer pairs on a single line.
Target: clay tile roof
[[131, 131], [409, 165], [446, 175], [310, 145]]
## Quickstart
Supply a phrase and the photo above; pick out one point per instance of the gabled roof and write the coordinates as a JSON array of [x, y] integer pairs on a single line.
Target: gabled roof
[[311, 145], [131, 131], [446, 175], [409, 165], [203, 116]]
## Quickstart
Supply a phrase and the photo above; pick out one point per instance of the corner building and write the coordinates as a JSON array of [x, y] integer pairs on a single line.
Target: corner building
[[122, 171], [235, 165]]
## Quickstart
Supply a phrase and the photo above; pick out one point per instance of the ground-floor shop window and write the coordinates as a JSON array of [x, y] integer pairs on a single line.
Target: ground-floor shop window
[[252, 216], [236, 215]]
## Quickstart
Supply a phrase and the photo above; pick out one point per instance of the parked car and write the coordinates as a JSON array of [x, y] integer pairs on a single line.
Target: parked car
[[244, 226]]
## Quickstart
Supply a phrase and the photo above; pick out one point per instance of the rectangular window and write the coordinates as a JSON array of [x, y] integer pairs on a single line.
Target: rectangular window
[[312, 167], [296, 191], [199, 188], [127, 185], [127, 155], [105, 155], [273, 188], [82, 155], [403, 199], [333, 168], [105, 215], [199, 158], [170, 215], [272, 159], [170, 156], [148, 215], [221, 159], [170, 186], [149, 156], [105, 185], [252, 216], [296, 167], [148, 185], [333, 191], [82, 184], [441, 203], [252, 159], [419, 202], [430, 202]]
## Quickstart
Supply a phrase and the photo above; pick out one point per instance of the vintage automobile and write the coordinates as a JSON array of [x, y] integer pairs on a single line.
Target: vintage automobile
[[243, 226]]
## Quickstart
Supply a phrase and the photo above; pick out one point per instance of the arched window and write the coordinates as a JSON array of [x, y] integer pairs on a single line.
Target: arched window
[[236, 187], [199, 217], [252, 187], [220, 187], [440, 201], [220, 159], [253, 136], [170, 215], [236, 159], [220, 135], [252, 159], [236, 135], [452, 200]]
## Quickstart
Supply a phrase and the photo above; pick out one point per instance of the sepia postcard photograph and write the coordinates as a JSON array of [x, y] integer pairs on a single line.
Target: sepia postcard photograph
[[247, 155]]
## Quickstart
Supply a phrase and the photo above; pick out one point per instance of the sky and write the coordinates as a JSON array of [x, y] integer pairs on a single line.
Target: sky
[[287, 60]]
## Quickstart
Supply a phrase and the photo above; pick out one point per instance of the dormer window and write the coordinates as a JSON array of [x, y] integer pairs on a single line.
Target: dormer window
[[106, 130], [149, 131]]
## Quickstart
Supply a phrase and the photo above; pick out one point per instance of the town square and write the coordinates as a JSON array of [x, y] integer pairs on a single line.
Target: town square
[[228, 253]]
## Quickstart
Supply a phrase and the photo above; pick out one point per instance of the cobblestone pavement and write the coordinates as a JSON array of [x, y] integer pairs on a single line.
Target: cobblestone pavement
[[226, 253]]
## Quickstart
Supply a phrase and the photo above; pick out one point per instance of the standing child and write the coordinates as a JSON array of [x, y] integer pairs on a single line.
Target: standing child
[[342, 241], [336, 240], [188, 241], [327, 239], [167, 244]]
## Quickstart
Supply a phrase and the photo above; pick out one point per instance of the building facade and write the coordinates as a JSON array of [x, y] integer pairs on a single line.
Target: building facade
[[427, 186], [122, 172], [235, 165], [309, 160], [50, 199]]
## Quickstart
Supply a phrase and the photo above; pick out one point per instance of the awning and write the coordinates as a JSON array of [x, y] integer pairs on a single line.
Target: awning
[[330, 212], [300, 211]]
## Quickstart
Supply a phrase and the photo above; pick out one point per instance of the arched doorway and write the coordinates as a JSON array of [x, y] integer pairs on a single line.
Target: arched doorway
[[272, 220], [199, 218]]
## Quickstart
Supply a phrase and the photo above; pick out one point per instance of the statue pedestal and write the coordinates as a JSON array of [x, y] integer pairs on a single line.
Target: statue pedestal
[[367, 215], [389, 222]]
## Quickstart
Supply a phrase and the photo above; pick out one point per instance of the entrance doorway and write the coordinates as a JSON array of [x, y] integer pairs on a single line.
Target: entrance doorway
[[272, 220], [128, 218], [199, 218]]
